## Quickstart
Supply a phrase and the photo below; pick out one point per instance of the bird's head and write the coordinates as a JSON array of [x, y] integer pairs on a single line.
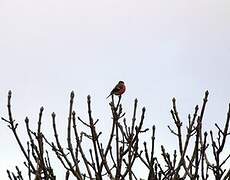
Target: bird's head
[[121, 82]]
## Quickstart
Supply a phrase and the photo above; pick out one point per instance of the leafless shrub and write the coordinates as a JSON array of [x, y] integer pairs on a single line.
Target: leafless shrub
[[116, 158]]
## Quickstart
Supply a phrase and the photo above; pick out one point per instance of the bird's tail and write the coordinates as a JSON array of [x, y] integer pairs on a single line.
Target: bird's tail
[[108, 96]]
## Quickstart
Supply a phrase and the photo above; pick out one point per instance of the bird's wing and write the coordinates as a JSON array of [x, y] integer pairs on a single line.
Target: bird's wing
[[116, 89]]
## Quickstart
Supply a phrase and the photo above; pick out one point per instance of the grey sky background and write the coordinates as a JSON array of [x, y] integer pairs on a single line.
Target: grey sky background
[[161, 49]]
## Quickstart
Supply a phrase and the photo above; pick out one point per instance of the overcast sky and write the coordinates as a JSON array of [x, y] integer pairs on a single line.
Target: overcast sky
[[161, 49]]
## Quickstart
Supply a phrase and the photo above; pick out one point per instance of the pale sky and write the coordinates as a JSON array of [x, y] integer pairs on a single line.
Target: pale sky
[[161, 49]]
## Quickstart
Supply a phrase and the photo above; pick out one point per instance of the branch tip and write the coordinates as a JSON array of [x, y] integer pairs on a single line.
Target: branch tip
[[9, 93], [173, 99], [72, 94], [27, 119], [143, 109], [53, 114], [42, 108], [88, 98], [197, 107]]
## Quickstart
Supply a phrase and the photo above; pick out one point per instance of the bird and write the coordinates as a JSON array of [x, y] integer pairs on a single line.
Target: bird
[[118, 90]]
